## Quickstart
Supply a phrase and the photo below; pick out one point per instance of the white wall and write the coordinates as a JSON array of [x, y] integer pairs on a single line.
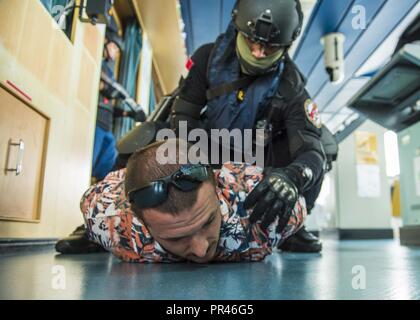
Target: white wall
[[354, 211], [324, 214]]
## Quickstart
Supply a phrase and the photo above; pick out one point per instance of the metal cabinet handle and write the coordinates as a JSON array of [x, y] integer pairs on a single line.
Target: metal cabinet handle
[[21, 146]]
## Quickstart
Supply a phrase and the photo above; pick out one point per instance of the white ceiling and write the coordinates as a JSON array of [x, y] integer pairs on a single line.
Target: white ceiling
[[384, 53]]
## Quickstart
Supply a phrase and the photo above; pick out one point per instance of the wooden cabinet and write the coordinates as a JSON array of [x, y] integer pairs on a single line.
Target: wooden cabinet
[[23, 142]]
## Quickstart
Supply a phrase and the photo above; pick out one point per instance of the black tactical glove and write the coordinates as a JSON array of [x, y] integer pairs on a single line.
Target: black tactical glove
[[275, 196], [137, 116]]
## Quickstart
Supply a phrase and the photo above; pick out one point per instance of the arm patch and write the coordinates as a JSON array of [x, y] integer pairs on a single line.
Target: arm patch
[[312, 113]]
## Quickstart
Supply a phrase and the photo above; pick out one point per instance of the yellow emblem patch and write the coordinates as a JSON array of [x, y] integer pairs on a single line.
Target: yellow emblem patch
[[241, 95]]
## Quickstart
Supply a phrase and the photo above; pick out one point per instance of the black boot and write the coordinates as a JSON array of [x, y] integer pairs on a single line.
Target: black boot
[[302, 241], [77, 242]]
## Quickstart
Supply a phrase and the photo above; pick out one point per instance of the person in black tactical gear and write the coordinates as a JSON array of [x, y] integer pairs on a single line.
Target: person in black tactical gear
[[247, 80]]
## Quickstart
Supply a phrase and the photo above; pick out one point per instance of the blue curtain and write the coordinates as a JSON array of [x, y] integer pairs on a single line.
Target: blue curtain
[[152, 99], [47, 4], [128, 73]]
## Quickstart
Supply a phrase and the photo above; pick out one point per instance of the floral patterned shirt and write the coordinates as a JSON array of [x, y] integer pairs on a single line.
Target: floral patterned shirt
[[111, 223]]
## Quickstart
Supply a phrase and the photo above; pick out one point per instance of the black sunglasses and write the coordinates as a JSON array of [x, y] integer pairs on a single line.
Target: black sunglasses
[[186, 179]]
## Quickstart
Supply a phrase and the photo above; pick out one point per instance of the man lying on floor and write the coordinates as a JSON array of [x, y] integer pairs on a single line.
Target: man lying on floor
[[151, 212]]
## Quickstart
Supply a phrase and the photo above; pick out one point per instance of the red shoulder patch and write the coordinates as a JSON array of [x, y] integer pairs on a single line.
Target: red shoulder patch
[[189, 64]]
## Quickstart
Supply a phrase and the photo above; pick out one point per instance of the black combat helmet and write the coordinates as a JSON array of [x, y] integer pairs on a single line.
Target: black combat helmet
[[271, 22]]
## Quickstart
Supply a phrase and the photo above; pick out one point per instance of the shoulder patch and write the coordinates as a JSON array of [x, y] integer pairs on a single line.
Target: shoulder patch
[[189, 64], [312, 113]]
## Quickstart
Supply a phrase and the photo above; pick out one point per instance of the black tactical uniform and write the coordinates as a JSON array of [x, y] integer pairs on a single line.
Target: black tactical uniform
[[295, 139], [290, 119]]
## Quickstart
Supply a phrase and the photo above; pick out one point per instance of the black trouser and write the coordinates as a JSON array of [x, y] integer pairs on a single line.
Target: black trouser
[[278, 155]]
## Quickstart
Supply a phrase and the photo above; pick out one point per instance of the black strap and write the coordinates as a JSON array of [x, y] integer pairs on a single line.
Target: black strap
[[227, 88], [184, 107]]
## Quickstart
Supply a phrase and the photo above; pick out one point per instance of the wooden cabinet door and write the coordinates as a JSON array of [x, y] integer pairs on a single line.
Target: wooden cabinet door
[[23, 136]]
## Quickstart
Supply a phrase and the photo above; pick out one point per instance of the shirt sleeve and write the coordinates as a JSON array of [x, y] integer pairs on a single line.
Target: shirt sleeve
[[303, 125], [104, 206], [196, 84], [245, 242]]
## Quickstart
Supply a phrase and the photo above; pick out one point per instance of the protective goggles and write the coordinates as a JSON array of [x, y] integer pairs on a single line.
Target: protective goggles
[[186, 179]]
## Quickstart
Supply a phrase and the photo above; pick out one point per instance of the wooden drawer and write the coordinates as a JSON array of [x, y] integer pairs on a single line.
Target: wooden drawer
[[23, 136]]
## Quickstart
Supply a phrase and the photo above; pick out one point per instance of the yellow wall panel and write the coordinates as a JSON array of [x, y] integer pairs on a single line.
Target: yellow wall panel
[[59, 64], [56, 74], [11, 23], [92, 40], [160, 20], [36, 39], [85, 83], [74, 170]]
